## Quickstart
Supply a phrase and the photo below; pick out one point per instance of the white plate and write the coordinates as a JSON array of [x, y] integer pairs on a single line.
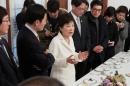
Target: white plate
[[90, 81], [82, 84], [125, 61], [117, 63], [99, 69], [117, 66], [107, 68], [127, 74], [107, 63]]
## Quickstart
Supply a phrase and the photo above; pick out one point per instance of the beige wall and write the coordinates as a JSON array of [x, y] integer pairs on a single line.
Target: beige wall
[[3, 3], [117, 3]]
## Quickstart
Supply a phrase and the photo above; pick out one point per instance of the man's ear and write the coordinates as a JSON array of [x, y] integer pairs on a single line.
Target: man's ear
[[37, 22]]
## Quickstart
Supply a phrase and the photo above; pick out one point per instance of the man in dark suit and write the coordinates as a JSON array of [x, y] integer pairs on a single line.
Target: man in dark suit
[[9, 74], [33, 59], [98, 34], [81, 35]]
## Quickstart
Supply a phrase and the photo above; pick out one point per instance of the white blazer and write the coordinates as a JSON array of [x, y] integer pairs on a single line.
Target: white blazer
[[61, 50]]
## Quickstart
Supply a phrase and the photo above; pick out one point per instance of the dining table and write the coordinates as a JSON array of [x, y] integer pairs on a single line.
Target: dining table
[[119, 63]]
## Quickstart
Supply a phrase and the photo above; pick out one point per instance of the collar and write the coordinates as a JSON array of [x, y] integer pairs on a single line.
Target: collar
[[61, 37], [32, 30], [74, 16]]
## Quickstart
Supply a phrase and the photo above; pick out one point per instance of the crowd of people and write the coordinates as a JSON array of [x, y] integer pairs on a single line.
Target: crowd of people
[[56, 47]]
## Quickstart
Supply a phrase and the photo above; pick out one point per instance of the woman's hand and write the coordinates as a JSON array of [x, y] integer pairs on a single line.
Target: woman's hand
[[83, 55], [71, 60]]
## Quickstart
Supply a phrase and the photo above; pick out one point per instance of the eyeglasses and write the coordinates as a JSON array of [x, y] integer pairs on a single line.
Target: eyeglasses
[[99, 10]]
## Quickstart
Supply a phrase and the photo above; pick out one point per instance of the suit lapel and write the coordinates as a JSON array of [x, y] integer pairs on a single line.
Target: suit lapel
[[8, 57], [31, 34], [76, 27]]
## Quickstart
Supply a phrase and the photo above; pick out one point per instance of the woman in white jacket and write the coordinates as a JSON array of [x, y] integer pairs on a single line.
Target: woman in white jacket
[[62, 48]]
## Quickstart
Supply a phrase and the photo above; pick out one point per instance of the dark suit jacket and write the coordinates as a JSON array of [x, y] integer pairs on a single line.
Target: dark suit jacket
[[32, 59], [97, 38], [9, 74], [113, 35], [82, 42]]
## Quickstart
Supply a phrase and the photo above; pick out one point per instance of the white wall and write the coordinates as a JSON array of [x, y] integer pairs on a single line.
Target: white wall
[[116, 3], [69, 6], [3, 3]]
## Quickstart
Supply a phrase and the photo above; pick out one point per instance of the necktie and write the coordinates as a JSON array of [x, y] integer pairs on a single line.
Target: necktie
[[4, 49], [79, 25], [2, 45]]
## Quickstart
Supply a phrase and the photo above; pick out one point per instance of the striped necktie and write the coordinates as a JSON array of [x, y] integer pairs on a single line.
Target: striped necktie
[[78, 25]]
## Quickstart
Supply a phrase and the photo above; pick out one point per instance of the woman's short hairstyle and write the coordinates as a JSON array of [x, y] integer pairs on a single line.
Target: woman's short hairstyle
[[35, 12], [3, 13], [41, 81], [64, 19], [122, 9]]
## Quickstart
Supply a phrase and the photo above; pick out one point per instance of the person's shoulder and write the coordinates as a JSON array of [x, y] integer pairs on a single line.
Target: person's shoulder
[[62, 11], [55, 39], [24, 32], [23, 29]]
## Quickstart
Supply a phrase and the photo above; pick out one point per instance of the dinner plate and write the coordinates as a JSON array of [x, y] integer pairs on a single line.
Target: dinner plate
[[127, 74], [107, 63], [99, 69], [125, 61], [117, 63], [107, 68], [82, 84], [117, 66], [90, 81]]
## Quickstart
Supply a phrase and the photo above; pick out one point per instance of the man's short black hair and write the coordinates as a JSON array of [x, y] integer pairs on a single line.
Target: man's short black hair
[[110, 11], [79, 2], [35, 12], [53, 5], [96, 2]]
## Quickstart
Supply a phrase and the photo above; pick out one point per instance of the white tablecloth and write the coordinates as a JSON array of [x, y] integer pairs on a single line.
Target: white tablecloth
[[120, 63]]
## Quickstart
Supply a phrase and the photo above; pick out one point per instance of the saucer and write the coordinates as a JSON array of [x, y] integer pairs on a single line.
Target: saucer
[[99, 69], [117, 66], [117, 63], [90, 81], [107, 63], [127, 74], [125, 61], [107, 69], [82, 84]]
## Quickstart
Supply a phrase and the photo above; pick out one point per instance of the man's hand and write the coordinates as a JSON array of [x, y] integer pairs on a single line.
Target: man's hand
[[98, 49]]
